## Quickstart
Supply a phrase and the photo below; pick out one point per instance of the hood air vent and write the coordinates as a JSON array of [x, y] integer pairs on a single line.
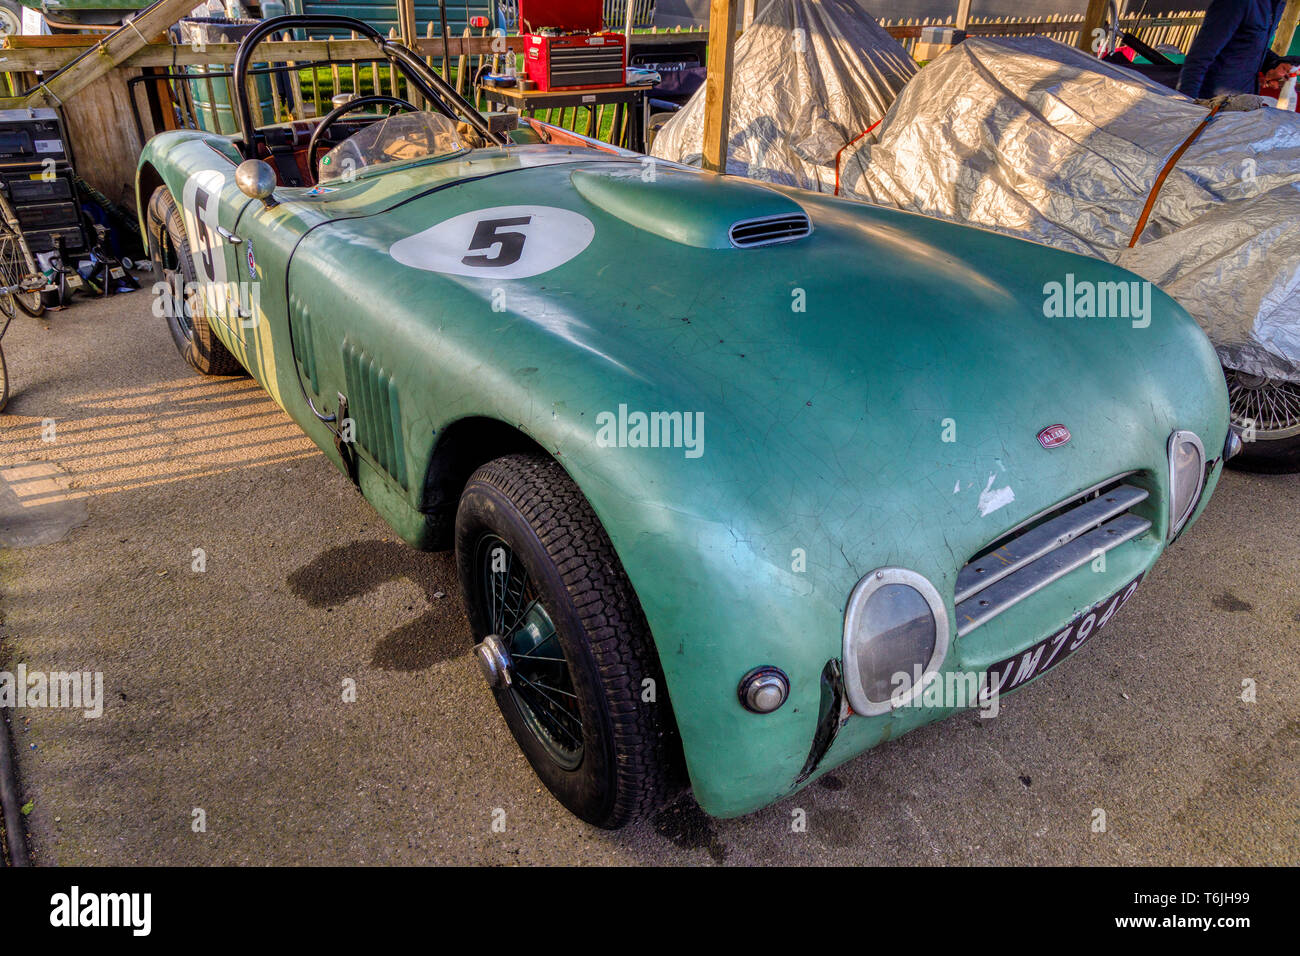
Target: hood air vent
[[691, 207], [769, 230]]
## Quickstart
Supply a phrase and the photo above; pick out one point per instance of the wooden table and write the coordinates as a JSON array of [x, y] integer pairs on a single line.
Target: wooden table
[[528, 102]]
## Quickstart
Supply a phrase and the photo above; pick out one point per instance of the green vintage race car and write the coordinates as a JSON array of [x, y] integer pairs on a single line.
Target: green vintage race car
[[803, 467]]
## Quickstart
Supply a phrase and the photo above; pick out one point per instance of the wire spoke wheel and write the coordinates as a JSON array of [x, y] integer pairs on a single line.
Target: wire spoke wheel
[[1270, 407], [18, 269], [9, 274], [541, 683], [11, 22]]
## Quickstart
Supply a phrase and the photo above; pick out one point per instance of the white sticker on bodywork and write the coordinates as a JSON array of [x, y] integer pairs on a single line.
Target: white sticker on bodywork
[[199, 206], [992, 499], [503, 242]]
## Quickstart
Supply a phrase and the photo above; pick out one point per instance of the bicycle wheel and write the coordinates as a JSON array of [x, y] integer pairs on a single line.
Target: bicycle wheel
[[8, 276], [4, 381], [16, 267]]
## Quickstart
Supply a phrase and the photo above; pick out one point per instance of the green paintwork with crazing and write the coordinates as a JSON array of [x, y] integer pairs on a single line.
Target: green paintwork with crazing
[[824, 369]]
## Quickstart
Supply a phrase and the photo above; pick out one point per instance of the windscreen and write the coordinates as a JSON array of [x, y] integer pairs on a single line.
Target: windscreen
[[403, 138]]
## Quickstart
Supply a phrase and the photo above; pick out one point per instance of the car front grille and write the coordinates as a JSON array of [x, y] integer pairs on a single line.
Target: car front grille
[[1046, 549]]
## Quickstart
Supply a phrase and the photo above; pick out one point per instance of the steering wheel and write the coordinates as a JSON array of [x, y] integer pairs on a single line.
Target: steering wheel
[[334, 115]]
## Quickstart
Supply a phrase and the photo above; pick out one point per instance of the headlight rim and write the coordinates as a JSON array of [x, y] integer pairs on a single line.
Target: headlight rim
[[1177, 522], [858, 598]]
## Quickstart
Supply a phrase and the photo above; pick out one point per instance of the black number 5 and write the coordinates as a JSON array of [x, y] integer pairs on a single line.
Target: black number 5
[[201, 199], [510, 244]]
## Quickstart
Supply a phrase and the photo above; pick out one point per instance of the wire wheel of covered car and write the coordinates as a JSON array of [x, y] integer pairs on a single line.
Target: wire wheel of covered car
[[1269, 410], [562, 641]]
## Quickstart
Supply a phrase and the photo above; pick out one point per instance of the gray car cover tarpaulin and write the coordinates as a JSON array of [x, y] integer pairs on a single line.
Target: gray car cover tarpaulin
[[1030, 137], [809, 77]]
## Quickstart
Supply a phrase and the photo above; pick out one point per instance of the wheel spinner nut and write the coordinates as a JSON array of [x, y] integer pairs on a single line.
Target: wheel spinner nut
[[494, 661]]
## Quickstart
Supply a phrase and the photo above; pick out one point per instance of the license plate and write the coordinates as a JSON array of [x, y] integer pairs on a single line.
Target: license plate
[[1023, 667]]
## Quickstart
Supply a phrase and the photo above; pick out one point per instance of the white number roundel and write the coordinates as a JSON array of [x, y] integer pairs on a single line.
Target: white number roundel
[[503, 242]]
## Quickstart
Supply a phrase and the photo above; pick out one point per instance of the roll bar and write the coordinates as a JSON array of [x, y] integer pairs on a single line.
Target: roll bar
[[432, 86]]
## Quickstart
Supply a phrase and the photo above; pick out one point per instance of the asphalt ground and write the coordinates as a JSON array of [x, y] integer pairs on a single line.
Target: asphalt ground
[[224, 689]]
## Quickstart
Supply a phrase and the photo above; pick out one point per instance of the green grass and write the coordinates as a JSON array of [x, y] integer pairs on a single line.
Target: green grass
[[362, 76]]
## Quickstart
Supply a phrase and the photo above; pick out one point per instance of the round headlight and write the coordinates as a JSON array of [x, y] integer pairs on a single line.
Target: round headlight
[[895, 639], [1186, 478]]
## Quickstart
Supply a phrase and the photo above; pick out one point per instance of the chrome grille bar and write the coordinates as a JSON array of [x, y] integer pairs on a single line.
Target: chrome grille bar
[[1046, 537], [1036, 575]]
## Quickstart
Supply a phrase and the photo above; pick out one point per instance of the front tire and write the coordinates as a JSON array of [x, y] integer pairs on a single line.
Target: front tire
[[541, 580], [173, 264]]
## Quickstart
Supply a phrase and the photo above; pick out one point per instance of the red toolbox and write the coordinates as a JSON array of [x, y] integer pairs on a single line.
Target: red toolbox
[[566, 48], [575, 61]]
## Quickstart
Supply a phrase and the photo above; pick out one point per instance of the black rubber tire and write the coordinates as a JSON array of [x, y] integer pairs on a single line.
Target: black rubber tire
[[4, 381], [198, 345], [631, 763], [1279, 457]]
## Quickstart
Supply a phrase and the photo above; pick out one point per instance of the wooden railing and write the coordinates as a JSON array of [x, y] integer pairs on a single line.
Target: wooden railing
[[107, 141]]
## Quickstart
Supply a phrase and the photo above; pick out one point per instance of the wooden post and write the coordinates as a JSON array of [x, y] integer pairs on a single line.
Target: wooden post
[[963, 15], [627, 28], [1286, 28], [751, 7], [1092, 21], [406, 21], [462, 62], [717, 85]]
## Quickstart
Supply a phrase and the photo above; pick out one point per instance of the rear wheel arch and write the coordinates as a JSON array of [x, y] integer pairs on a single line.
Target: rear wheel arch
[[147, 181]]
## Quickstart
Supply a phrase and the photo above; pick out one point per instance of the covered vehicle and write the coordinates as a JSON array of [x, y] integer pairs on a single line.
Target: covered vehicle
[[809, 77], [750, 518]]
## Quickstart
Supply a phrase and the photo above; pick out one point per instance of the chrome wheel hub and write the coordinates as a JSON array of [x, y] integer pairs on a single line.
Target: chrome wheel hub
[[494, 661]]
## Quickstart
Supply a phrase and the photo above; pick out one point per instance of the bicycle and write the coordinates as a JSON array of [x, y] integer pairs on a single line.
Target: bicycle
[[21, 282]]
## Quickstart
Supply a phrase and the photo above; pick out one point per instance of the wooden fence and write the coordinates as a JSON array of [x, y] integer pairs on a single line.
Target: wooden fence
[[1174, 29]]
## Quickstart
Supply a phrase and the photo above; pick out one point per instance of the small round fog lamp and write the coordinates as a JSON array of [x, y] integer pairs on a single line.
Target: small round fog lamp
[[764, 689]]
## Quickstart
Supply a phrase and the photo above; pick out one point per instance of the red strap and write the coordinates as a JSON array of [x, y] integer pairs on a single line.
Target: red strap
[[846, 146], [1164, 174]]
